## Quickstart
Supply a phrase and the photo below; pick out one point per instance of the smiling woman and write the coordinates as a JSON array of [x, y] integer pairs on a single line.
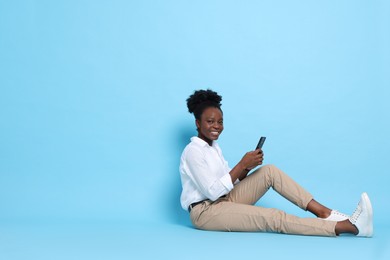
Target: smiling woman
[[221, 198], [206, 107]]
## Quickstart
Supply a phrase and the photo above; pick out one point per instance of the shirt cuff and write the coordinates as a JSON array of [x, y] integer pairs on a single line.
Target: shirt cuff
[[227, 181]]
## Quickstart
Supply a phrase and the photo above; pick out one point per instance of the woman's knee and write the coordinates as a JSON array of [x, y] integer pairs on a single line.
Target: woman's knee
[[271, 173], [270, 169]]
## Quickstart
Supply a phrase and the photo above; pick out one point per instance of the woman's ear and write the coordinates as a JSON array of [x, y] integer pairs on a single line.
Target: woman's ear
[[197, 123]]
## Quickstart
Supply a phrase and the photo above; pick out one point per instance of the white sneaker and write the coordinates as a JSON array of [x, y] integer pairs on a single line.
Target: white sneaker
[[362, 217], [336, 216]]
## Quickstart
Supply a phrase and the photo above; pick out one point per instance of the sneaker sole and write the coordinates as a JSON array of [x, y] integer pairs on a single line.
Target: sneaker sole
[[367, 202]]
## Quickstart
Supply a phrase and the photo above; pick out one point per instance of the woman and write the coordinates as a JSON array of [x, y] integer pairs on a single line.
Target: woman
[[221, 198]]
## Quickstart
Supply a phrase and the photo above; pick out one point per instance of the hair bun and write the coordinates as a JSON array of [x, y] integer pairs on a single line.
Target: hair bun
[[200, 98]]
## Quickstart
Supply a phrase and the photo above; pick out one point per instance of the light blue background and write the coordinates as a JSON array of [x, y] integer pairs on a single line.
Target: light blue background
[[93, 119]]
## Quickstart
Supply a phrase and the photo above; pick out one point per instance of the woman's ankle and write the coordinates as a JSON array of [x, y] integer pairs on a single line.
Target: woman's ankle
[[318, 209]]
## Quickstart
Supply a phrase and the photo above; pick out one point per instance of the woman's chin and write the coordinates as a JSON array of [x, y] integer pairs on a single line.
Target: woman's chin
[[214, 137]]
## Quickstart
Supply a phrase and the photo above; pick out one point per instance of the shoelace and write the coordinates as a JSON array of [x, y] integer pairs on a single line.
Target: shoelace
[[356, 214], [335, 212]]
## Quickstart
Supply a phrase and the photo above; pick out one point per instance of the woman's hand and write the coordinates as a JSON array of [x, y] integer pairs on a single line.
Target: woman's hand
[[247, 163], [252, 159]]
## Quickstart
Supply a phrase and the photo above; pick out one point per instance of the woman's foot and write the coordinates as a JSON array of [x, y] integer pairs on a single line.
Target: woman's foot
[[325, 213], [336, 216], [362, 217]]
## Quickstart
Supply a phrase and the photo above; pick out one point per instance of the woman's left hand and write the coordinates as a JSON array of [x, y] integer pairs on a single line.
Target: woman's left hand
[[254, 159]]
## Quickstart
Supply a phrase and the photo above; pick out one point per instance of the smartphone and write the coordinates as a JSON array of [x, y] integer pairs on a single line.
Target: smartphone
[[261, 142]]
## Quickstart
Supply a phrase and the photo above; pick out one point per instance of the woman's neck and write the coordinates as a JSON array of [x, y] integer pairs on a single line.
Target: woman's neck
[[208, 141]]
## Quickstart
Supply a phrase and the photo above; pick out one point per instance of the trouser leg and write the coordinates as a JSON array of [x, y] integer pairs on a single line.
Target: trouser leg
[[253, 187], [230, 216]]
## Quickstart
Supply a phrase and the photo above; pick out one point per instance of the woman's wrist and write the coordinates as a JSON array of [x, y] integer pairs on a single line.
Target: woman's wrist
[[243, 167]]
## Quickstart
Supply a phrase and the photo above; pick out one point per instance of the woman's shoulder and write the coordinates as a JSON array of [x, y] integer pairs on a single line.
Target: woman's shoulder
[[194, 147]]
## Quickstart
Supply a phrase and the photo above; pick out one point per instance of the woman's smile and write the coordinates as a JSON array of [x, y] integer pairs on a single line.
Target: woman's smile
[[215, 133]]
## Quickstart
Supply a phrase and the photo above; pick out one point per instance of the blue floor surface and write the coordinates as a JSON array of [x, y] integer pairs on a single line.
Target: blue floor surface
[[123, 240]]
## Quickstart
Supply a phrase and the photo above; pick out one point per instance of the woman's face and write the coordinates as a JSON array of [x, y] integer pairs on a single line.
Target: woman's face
[[210, 125]]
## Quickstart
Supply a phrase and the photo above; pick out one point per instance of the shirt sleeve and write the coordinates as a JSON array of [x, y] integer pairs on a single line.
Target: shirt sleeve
[[205, 176]]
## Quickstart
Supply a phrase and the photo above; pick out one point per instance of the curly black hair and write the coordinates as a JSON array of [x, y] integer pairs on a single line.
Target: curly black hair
[[202, 99]]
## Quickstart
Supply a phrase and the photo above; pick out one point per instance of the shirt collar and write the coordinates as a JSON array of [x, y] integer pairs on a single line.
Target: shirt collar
[[201, 142]]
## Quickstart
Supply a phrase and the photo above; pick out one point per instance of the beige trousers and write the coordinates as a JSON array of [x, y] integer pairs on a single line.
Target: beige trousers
[[236, 211]]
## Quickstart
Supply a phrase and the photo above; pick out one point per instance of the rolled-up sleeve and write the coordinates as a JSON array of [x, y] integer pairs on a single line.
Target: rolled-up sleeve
[[226, 180]]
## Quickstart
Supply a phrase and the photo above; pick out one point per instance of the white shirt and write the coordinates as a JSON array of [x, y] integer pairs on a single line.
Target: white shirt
[[204, 172]]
